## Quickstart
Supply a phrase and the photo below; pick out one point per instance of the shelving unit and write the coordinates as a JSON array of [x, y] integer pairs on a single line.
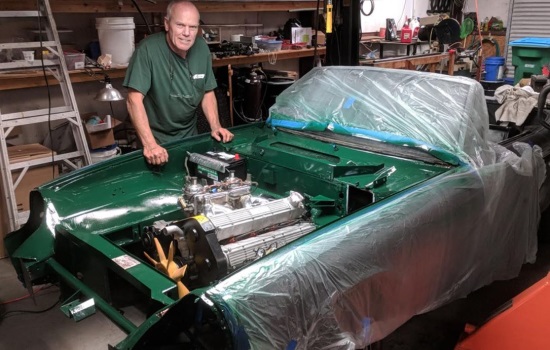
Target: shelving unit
[[13, 170], [14, 81]]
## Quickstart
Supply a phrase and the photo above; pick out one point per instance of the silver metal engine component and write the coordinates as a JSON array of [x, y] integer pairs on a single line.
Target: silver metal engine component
[[234, 198], [252, 219], [253, 248], [192, 187]]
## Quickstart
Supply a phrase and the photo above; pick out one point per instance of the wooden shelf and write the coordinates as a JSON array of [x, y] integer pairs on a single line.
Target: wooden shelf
[[125, 6], [14, 81], [266, 57]]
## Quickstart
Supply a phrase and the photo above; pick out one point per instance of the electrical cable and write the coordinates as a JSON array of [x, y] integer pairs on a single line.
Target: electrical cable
[[50, 129], [26, 296], [315, 55], [402, 13], [149, 30], [259, 112], [5, 314]]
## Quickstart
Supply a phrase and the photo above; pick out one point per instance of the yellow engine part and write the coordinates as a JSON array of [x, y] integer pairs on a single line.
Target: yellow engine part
[[167, 266]]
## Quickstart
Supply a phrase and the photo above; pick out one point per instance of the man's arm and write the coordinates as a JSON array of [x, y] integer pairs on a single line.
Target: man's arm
[[210, 109], [153, 153]]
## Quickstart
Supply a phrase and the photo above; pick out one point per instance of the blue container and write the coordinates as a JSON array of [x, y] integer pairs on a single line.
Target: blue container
[[509, 81], [494, 68]]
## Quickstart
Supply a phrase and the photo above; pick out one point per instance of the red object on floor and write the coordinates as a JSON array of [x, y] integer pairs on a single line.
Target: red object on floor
[[523, 325]]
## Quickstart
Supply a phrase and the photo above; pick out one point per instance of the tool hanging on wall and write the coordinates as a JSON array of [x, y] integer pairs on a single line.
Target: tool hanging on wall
[[366, 14], [329, 17]]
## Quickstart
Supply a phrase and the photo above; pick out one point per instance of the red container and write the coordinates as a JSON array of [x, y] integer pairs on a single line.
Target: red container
[[406, 34]]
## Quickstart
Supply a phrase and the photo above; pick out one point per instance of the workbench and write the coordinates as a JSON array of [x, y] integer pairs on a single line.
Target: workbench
[[412, 62], [382, 43]]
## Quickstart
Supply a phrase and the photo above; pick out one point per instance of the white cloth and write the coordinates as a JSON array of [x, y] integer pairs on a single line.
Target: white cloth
[[516, 103]]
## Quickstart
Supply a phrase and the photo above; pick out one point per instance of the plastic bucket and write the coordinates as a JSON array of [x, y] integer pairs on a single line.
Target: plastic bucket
[[116, 37], [104, 154], [494, 68]]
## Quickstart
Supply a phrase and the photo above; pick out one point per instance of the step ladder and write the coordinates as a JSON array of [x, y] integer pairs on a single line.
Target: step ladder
[[48, 39]]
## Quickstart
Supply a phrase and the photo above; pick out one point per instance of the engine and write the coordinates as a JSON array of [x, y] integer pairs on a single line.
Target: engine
[[226, 225]]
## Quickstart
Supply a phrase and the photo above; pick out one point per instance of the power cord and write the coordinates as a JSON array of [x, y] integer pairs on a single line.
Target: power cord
[[7, 313], [50, 129]]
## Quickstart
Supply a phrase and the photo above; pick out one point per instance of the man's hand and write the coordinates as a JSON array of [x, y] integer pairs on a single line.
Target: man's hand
[[155, 155], [222, 134]]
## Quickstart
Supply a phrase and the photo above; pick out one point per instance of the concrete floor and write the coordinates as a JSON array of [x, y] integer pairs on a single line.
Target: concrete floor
[[436, 330], [52, 329]]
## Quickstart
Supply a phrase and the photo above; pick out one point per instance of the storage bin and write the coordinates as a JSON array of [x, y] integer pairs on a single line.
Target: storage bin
[[74, 60], [494, 68], [528, 56], [269, 45]]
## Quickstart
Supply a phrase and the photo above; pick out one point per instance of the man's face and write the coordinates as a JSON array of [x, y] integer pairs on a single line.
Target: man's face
[[182, 27]]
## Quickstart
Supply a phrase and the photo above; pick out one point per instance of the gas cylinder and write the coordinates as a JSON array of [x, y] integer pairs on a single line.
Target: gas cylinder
[[253, 97]]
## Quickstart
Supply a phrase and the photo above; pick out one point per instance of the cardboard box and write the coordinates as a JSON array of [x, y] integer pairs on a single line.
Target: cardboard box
[[34, 177], [99, 135], [320, 39]]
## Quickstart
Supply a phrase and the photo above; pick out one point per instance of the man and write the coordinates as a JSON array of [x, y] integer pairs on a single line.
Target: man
[[169, 75]]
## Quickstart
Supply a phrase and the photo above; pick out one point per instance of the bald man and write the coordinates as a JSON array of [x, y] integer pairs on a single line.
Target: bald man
[[169, 76]]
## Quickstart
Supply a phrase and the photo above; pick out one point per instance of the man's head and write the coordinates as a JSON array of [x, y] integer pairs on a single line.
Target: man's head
[[182, 25]]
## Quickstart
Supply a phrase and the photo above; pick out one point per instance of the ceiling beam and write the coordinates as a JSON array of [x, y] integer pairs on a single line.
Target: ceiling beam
[[126, 6]]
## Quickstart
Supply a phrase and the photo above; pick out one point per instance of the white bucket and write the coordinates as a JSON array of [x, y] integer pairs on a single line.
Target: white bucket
[[116, 37], [100, 156]]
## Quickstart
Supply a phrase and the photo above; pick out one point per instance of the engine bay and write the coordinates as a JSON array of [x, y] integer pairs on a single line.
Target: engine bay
[[240, 204]]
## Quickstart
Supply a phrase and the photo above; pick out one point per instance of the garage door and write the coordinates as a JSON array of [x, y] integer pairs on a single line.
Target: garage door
[[528, 18]]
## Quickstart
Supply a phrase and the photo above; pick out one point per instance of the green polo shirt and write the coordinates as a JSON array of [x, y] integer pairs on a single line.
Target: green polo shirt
[[173, 86]]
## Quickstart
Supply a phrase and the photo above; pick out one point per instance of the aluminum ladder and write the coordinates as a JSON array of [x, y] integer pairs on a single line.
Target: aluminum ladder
[[48, 38]]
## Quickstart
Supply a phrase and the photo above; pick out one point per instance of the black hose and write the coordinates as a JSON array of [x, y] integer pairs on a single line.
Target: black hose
[[149, 31], [371, 8], [541, 116]]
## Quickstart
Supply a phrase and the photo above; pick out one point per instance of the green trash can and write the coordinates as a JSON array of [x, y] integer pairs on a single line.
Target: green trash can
[[528, 56]]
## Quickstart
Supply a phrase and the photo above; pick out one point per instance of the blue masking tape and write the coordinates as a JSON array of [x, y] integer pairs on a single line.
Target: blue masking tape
[[349, 102], [292, 345]]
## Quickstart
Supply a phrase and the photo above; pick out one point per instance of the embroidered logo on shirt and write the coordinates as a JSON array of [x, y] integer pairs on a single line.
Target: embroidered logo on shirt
[[198, 76]]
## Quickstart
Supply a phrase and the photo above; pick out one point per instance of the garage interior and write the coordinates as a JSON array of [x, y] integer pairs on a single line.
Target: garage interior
[[63, 113]]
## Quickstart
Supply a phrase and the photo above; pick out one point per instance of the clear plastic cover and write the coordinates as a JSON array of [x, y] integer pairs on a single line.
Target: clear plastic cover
[[431, 111], [355, 281]]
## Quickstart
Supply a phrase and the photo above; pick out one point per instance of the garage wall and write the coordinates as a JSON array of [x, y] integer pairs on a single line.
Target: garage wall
[[489, 8], [396, 9]]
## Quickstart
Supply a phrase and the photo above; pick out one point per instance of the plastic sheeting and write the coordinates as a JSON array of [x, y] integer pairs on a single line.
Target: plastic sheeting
[[355, 281], [427, 110]]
